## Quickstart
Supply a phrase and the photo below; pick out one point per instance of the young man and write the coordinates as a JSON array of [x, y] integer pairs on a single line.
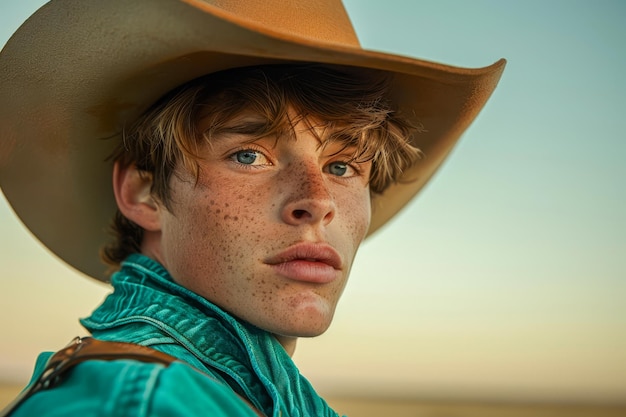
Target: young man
[[252, 147]]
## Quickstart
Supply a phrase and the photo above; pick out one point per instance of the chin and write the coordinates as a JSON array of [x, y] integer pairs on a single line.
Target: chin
[[300, 317], [298, 333], [301, 327]]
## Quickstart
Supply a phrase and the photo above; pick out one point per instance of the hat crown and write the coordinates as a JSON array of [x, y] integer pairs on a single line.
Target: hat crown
[[320, 20]]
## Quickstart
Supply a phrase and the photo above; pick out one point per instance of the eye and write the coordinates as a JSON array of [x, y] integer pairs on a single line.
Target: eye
[[249, 157], [340, 169]]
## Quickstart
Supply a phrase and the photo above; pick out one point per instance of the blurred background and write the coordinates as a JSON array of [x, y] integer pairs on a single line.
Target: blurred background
[[501, 290]]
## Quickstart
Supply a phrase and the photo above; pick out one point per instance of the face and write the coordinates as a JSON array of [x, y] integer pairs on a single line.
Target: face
[[270, 228]]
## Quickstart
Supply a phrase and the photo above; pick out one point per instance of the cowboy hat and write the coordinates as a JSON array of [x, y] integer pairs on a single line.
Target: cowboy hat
[[78, 71]]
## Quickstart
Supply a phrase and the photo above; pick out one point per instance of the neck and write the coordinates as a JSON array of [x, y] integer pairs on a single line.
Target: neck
[[288, 343]]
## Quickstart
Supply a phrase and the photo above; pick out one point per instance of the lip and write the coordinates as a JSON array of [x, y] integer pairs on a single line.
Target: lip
[[317, 263]]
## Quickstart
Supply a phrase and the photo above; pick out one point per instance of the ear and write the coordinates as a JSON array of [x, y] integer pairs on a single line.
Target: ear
[[134, 199]]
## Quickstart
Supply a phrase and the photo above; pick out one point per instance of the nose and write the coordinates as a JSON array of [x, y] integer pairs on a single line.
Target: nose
[[309, 200]]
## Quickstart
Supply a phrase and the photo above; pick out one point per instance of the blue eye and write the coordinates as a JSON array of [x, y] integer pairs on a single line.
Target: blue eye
[[338, 168], [250, 157], [247, 157]]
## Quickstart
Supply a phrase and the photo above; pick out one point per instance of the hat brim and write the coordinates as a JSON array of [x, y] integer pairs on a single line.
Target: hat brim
[[70, 80]]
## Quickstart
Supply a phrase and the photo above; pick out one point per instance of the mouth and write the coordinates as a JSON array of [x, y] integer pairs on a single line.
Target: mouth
[[317, 263]]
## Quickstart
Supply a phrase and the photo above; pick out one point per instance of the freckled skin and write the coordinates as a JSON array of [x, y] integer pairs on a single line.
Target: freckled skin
[[222, 228]]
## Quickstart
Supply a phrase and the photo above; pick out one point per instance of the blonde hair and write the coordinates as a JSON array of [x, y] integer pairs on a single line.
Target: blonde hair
[[353, 104]]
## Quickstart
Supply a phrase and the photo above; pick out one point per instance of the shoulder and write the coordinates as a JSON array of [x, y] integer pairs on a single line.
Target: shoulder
[[130, 388]]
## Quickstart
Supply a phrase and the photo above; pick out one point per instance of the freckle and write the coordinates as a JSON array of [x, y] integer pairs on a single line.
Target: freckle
[[218, 211], [227, 205], [236, 218], [212, 202], [226, 217]]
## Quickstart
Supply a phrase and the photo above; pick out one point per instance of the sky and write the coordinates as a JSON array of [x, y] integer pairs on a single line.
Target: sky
[[505, 279]]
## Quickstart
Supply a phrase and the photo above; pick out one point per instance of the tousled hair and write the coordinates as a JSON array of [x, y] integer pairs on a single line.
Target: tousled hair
[[353, 105]]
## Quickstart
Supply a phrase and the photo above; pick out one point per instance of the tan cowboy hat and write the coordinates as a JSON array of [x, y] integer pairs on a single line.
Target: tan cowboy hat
[[78, 71]]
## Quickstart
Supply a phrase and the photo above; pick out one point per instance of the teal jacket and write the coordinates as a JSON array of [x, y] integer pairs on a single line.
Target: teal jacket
[[148, 308]]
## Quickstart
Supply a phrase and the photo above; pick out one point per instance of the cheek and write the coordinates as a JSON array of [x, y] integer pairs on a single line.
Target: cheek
[[357, 215], [225, 221], [209, 235]]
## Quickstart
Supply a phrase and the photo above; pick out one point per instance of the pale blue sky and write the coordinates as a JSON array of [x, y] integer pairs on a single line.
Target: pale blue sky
[[516, 251]]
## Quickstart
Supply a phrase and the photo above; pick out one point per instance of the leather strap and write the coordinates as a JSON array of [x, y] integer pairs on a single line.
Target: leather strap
[[84, 349], [81, 350]]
